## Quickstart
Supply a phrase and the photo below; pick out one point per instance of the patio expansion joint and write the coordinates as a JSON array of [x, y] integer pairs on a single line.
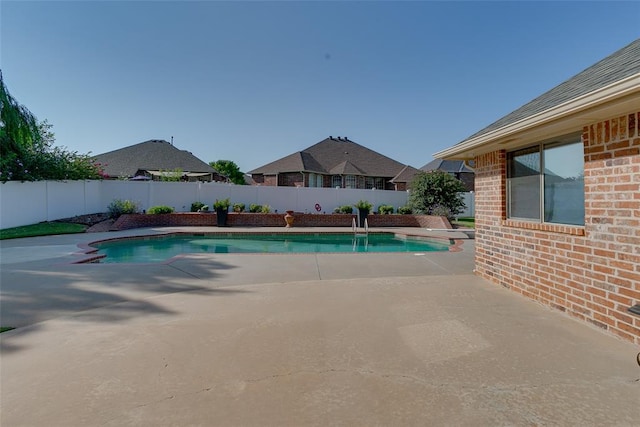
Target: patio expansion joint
[[460, 388], [184, 271]]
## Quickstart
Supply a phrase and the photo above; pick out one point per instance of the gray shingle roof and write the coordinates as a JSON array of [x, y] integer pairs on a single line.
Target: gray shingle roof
[[617, 66], [150, 155], [406, 174], [450, 166], [332, 155], [346, 168]]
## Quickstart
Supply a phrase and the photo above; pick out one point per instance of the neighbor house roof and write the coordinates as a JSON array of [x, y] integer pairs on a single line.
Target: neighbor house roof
[[152, 155], [449, 166], [406, 174], [606, 89], [335, 156]]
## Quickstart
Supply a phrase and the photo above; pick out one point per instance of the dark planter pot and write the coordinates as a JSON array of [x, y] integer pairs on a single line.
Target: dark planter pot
[[221, 217], [363, 215]]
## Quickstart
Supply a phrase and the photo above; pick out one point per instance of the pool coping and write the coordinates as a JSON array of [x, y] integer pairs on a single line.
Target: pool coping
[[89, 255]]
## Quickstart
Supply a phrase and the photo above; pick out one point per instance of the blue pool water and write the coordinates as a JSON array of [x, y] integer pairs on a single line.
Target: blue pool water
[[161, 248]]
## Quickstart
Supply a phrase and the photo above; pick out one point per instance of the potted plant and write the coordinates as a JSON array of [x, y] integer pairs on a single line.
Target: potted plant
[[196, 206], [364, 207], [222, 211], [288, 218]]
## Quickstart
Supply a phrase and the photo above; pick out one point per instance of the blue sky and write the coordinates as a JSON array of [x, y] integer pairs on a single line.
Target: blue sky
[[254, 81]]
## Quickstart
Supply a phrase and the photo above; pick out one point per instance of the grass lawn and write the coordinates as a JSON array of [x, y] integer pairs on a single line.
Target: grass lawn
[[41, 229], [465, 222]]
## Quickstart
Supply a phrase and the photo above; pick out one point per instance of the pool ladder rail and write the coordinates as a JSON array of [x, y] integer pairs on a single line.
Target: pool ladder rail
[[356, 234], [354, 227]]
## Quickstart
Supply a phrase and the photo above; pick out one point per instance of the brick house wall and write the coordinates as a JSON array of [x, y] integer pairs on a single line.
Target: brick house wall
[[270, 180], [291, 179], [591, 273], [299, 179]]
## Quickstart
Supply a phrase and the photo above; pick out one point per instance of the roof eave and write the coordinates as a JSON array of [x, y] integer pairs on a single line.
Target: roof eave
[[615, 99]]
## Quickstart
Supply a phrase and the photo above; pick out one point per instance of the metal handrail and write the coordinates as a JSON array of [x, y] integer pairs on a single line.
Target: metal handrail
[[354, 227]]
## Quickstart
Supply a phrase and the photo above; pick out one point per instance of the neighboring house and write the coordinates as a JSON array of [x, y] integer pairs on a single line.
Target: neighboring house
[[334, 162], [456, 168], [152, 159], [557, 186]]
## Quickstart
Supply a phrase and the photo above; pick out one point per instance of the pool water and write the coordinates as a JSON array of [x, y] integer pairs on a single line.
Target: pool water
[[161, 248]]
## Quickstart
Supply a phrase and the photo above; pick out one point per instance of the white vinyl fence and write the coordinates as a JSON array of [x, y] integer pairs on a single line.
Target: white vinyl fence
[[23, 203], [470, 205]]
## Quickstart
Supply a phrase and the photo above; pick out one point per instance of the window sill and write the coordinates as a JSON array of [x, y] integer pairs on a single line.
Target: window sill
[[573, 230]]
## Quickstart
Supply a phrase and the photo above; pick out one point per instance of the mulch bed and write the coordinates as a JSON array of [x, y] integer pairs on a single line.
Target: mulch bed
[[97, 222]]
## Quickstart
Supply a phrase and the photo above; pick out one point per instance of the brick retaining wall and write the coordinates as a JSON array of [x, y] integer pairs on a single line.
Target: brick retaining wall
[[126, 222]]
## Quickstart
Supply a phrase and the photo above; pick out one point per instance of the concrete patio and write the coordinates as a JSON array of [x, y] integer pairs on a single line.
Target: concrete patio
[[324, 339]]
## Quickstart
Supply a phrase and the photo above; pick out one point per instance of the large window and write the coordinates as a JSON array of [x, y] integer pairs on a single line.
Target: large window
[[545, 183], [349, 181], [315, 180], [369, 183]]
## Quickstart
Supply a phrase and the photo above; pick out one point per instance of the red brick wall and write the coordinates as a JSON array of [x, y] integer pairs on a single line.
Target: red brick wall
[[271, 180], [590, 272], [126, 222]]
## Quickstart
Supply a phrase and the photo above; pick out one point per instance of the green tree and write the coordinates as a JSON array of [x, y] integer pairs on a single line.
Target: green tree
[[229, 169], [436, 192], [26, 147], [173, 175], [18, 133]]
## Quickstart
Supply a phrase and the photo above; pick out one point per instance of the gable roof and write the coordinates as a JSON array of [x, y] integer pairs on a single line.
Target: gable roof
[[450, 166], [346, 168], [608, 88], [336, 156], [155, 154], [406, 174]]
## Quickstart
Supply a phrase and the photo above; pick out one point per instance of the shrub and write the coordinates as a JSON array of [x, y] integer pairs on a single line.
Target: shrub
[[405, 210], [196, 206], [265, 209], [434, 190], [345, 209], [119, 207], [385, 209], [204, 208], [158, 210], [253, 208], [238, 207], [222, 204], [363, 204], [441, 211]]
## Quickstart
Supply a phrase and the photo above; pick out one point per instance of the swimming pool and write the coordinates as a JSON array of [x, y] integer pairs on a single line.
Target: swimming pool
[[160, 248]]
